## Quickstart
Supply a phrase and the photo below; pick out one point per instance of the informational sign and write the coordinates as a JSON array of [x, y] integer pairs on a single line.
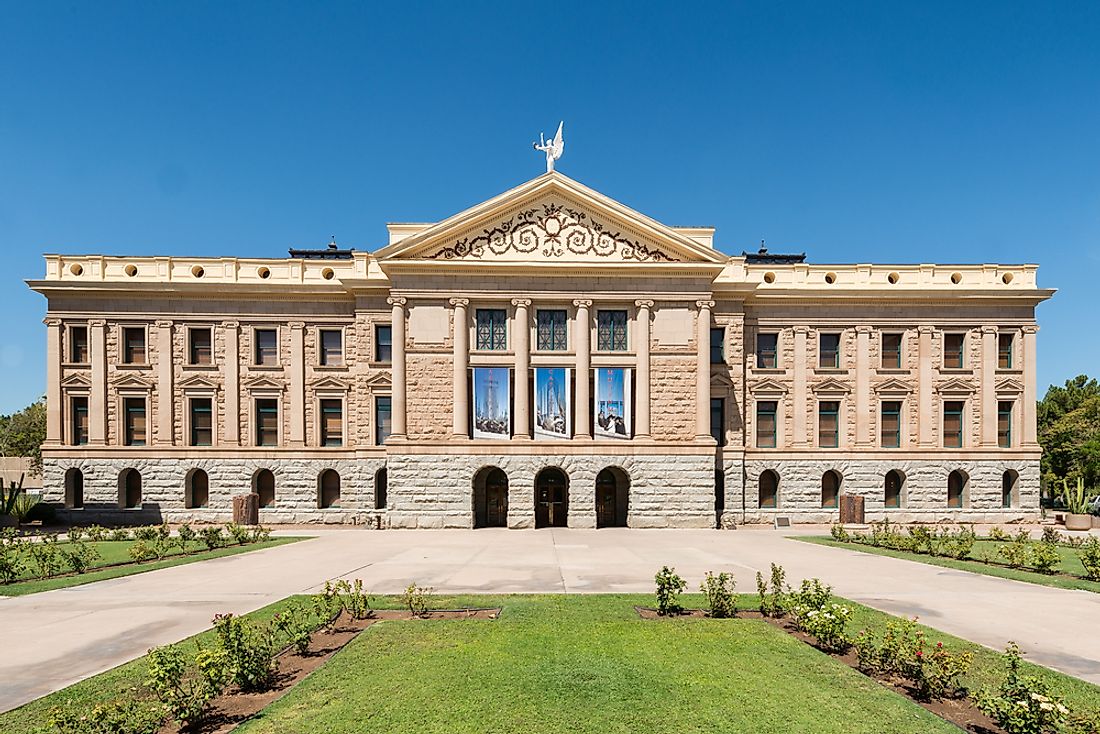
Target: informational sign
[[553, 407], [612, 403], [492, 404]]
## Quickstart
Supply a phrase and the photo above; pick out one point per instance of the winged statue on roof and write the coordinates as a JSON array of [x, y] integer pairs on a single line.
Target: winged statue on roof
[[553, 148]]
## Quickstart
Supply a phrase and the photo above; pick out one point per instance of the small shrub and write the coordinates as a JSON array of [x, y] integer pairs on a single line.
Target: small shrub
[[296, 624], [669, 588], [923, 540], [955, 544], [125, 716], [23, 506], [1089, 553], [148, 533], [78, 555], [1083, 722], [97, 533], [186, 690], [898, 645], [46, 556], [238, 533], [840, 534], [812, 595], [212, 537], [186, 535], [718, 590], [327, 605], [120, 535], [142, 550], [1023, 704], [829, 626], [12, 559], [1052, 536], [937, 673], [416, 599], [1017, 553], [259, 534], [76, 533], [773, 596], [249, 649], [355, 601], [1045, 557], [995, 533]]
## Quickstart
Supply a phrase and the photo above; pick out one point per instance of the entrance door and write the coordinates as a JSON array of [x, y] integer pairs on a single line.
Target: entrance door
[[606, 491], [551, 499], [496, 499]]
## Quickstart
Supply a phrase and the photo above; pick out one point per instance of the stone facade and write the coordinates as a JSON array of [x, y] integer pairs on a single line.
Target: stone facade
[[388, 408]]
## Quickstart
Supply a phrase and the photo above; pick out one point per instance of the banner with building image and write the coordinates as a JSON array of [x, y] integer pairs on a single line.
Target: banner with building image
[[492, 403], [553, 407], [611, 408]]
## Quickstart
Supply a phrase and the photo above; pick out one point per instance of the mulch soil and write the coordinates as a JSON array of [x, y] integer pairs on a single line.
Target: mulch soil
[[959, 711], [234, 707]]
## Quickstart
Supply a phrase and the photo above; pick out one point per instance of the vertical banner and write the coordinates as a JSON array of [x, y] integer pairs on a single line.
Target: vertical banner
[[612, 403], [492, 403], [553, 409]]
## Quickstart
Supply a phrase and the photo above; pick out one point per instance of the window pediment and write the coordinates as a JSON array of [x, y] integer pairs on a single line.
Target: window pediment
[[378, 379], [330, 383], [198, 382], [131, 382], [76, 381], [893, 388], [768, 388], [831, 387], [1009, 387], [955, 387], [262, 383]]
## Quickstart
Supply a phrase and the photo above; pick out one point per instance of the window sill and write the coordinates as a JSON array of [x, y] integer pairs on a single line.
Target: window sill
[[133, 365], [265, 367], [892, 371], [955, 371], [1009, 371], [330, 367], [76, 365], [380, 365], [202, 367], [831, 371]]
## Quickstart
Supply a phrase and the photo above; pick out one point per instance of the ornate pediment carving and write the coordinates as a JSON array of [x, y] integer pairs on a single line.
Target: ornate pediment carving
[[378, 379], [329, 383], [198, 382], [132, 382], [262, 382], [893, 387], [768, 387], [831, 387], [1009, 386], [955, 386], [76, 381]]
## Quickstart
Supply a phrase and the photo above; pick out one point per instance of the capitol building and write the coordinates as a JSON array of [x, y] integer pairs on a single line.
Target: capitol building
[[549, 357]]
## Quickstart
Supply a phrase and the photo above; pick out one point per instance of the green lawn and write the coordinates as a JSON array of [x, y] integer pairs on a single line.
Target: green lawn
[[1071, 563], [113, 552], [583, 663]]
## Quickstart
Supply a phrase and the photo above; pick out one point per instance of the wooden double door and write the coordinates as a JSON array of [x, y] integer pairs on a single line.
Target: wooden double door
[[611, 500], [491, 500], [551, 499]]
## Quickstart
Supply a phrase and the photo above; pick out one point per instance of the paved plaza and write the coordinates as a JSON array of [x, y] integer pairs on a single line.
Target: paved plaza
[[95, 627]]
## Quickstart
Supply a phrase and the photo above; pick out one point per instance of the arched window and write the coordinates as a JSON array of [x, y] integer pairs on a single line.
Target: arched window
[[263, 484], [830, 489], [74, 489], [1009, 488], [381, 487], [769, 489], [196, 490], [329, 489], [129, 489], [892, 488], [956, 489]]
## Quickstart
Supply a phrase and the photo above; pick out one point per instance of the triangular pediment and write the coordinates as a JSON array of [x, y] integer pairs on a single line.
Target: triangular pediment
[[132, 382], [378, 379], [200, 382], [551, 219], [76, 381], [329, 383], [262, 382], [768, 387], [893, 387], [1010, 385], [721, 380], [831, 387], [955, 386]]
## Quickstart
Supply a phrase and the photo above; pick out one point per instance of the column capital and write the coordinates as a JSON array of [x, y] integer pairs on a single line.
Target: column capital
[[583, 303], [989, 330], [863, 330], [1030, 329], [701, 305], [231, 324], [926, 329], [644, 304], [97, 323], [521, 302], [460, 302], [50, 321], [801, 329], [297, 325], [163, 324], [396, 301]]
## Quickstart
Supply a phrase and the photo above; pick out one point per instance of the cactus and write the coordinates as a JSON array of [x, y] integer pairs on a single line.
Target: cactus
[[9, 496], [1077, 502]]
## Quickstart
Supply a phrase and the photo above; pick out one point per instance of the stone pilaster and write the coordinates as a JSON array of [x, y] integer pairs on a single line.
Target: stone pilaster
[[863, 386], [166, 434], [582, 339], [397, 377], [702, 370], [989, 386], [926, 426], [1030, 387], [641, 349], [55, 431], [231, 429], [461, 346], [97, 397], [521, 347], [297, 384], [798, 389]]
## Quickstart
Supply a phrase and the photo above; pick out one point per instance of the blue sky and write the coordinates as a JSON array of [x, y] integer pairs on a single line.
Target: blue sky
[[877, 131]]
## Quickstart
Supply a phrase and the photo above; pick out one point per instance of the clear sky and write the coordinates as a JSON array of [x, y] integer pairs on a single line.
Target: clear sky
[[865, 132]]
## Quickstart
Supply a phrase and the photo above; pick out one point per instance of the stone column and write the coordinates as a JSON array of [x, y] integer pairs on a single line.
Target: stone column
[[231, 432], [521, 346], [461, 345], [1030, 387], [397, 377], [863, 386], [165, 396], [55, 431], [798, 391], [925, 427], [582, 339], [989, 386], [702, 370], [97, 397], [297, 384], [641, 385]]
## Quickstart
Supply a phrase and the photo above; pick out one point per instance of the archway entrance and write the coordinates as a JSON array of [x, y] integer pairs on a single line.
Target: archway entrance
[[612, 498], [551, 499], [491, 498]]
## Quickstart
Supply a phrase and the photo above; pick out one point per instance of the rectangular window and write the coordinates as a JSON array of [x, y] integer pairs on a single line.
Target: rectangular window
[[1004, 424], [78, 345], [828, 424], [133, 345], [383, 343], [331, 347], [79, 420], [267, 348], [891, 351], [953, 425], [766, 424], [890, 435], [267, 422], [202, 422], [767, 347], [717, 345], [381, 419], [332, 422], [133, 410], [953, 351], [828, 356], [201, 347], [1004, 351], [552, 327], [718, 420], [611, 331], [492, 329]]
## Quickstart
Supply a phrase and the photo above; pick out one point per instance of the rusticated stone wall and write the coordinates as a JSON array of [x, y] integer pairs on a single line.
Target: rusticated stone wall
[[430, 395], [672, 397]]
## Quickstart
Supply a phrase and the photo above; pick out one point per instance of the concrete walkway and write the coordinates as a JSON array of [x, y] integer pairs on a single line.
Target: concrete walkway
[[56, 638]]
